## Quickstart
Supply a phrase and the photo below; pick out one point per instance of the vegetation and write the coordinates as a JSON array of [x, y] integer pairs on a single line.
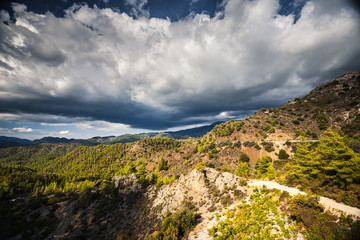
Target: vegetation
[[226, 129], [330, 168], [258, 219], [264, 168], [163, 165], [320, 224], [275, 215], [244, 158], [268, 146], [52, 169], [322, 121], [175, 225], [283, 155], [243, 170]]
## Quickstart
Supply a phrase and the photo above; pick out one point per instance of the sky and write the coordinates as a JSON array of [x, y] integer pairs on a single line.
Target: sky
[[80, 69]]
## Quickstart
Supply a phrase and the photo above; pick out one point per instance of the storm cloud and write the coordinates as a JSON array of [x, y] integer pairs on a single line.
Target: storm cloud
[[151, 73]]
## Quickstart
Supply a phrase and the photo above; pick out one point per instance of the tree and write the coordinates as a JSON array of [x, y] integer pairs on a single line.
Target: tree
[[244, 158], [283, 154], [243, 170], [163, 165], [331, 160], [264, 167]]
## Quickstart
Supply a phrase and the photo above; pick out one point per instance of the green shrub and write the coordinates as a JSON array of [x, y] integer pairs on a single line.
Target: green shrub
[[243, 170], [268, 146], [249, 144], [283, 154], [264, 167], [200, 167], [175, 225], [322, 121], [244, 158], [226, 168], [237, 144]]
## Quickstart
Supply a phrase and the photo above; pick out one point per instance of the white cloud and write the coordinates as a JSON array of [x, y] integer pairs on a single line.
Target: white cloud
[[83, 124], [104, 65], [64, 132], [138, 8], [101, 126], [23, 129]]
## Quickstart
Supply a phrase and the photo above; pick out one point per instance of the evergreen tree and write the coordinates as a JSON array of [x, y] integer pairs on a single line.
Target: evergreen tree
[[283, 154]]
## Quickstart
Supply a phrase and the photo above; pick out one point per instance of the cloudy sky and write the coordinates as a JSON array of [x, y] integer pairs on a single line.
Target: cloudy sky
[[81, 69]]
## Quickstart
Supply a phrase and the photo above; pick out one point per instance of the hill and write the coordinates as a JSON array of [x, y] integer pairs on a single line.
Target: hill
[[12, 141], [333, 105]]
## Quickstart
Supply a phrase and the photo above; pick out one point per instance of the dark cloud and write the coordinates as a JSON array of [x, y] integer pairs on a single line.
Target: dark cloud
[[6, 66], [104, 65]]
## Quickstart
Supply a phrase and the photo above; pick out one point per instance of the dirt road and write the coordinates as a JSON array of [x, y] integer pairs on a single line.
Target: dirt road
[[329, 204]]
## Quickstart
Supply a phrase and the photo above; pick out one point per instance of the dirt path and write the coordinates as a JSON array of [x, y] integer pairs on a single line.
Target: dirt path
[[329, 204]]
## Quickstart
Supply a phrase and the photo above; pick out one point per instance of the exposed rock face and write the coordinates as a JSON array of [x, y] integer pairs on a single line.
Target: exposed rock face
[[127, 184], [207, 190]]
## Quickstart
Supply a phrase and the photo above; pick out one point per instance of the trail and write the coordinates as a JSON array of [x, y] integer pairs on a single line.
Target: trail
[[329, 204]]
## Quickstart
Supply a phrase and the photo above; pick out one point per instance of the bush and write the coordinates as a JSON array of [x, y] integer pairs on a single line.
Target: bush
[[243, 170], [322, 121], [249, 144], [268, 146], [227, 142], [283, 154], [226, 168], [244, 158], [237, 144], [175, 225], [200, 167]]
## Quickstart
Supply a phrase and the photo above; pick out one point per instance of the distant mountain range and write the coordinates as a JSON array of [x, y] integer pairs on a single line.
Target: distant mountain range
[[182, 134]]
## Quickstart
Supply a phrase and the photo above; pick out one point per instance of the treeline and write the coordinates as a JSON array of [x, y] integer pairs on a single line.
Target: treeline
[[227, 128]]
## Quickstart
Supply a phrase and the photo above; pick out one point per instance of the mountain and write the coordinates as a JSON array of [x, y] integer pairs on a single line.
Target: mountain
[[193, 132], [54, 140], [205, 188], [182, 134], [12, 141]]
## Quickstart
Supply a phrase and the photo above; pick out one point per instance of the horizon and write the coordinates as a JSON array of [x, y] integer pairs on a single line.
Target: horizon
[[108, 136], [97, 68]]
